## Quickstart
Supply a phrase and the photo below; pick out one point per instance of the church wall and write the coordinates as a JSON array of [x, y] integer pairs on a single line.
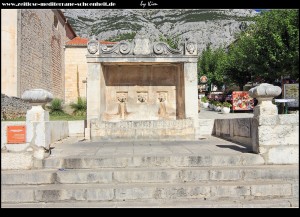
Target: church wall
[[42, 37], [9, 76]]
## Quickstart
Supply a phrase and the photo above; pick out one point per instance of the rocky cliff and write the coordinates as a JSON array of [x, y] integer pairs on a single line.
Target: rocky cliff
[[217, 27]]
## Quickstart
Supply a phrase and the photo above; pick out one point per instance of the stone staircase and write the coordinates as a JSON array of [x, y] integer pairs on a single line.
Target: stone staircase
[[216, 180]]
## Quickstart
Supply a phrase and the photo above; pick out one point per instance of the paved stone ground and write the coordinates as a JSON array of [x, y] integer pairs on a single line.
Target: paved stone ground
[[209, 114], [205, 145], [77, 147]]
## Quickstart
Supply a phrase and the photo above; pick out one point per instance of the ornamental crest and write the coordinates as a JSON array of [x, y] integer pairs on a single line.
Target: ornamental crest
[[93, 45]]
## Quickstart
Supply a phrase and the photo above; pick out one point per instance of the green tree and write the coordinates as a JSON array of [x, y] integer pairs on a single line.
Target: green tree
[[239, 66], [275, 40], [211, 63]]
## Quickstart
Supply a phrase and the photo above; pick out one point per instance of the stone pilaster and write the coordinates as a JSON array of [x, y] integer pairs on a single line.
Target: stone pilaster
[[191, 92]]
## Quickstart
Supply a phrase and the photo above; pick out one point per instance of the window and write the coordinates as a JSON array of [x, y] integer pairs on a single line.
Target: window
[[55, 22]]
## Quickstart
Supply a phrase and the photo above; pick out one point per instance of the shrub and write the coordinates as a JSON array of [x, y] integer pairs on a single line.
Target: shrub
[[226, 104], [204, 99], [56, 107], [79, 108], [217, 103]]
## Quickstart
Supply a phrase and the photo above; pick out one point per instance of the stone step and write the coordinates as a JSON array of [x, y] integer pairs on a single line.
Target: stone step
[[164, 191], [183, 203], [244, 159], [150, 175]]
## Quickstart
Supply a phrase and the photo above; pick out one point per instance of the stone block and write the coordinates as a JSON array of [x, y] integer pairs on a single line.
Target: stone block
[[150, 161], [252, 159], [75, 176], [268, 120], [288, 119], [58, 130], [278, 135], [27, 177], [283, 155], [17, 195], [295, 189], [76, 128], [17, 147], [191, 161], [229, 191], [146, 176], [271, 190], [54, 195], [225, 160], [225, 174], [169, 192], [100, 194], [101, 162], [53, 163], [187, 175], [133, 193], [272, 174], [14, 161]]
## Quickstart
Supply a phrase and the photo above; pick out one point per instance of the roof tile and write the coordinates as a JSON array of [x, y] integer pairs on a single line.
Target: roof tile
[[83, 41]]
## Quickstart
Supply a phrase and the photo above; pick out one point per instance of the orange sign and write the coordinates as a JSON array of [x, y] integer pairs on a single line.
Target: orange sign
[[16, 134], [203, 79]]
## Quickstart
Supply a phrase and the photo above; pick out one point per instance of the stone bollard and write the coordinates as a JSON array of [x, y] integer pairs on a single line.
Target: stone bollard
[[37, 121], [264, 93], [275, 137]]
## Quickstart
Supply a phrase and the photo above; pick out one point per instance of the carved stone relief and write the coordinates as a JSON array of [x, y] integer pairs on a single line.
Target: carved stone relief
[[142, 97]]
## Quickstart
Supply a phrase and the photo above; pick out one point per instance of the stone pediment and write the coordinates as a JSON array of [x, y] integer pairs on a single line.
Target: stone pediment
[[142, 46]]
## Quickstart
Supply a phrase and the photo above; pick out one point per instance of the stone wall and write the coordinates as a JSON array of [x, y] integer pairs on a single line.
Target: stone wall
[[236, 130], [32, 50], [58, 129], [13, 107], [75, 61], [276, 138], [142, 86], [41, 36], [9, 57]]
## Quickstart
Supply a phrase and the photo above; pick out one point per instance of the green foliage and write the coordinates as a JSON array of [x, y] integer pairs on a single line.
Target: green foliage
[[217, 103], [79, 108], [211, 63], [263, 52], [275, 38], [125, 36], [204, 99], [56, 107], [239, 67], [226, 104], [173, 42]]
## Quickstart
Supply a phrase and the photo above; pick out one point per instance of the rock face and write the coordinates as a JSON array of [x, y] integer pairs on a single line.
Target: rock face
[[217, 27], [13, 107]]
